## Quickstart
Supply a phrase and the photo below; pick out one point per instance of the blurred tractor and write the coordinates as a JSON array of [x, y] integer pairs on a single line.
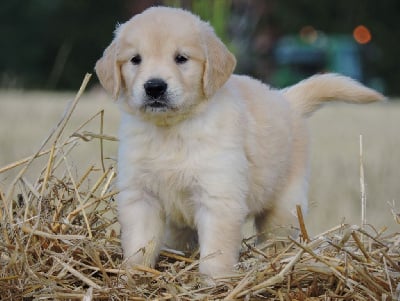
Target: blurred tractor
[[299, 56]]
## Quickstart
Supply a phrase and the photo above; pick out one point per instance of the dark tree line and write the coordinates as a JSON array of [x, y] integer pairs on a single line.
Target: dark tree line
[[51, 44]]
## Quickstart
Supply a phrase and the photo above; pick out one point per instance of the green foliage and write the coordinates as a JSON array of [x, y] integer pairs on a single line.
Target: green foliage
[[52, 44], [216, 12]]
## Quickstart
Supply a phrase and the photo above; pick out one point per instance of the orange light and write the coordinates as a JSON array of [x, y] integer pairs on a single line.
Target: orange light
[[361, 34], [308, 34]]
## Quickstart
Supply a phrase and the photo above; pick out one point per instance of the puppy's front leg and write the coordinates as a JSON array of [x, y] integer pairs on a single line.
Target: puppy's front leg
[[220, 238], [142, 226]]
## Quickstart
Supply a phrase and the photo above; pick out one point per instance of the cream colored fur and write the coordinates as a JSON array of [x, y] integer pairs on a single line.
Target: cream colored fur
[[226, 148]]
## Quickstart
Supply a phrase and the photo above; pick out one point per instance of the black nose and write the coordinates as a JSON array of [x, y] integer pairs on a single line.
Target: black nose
[[155, 88]]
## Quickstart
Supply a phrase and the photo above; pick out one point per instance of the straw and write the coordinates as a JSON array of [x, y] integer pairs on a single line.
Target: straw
[[59, 241]]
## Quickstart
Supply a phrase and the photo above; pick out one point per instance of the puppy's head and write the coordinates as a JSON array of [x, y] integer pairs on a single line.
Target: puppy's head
[[164, 62]]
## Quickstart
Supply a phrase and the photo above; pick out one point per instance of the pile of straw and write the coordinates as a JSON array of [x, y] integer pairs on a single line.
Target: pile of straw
[[59, 241]]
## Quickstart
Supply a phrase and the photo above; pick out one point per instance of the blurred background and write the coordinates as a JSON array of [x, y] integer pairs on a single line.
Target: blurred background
[[48, 46], [52, 44]]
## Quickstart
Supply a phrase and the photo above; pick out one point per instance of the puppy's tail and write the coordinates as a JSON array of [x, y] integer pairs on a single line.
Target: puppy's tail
[[309, 94]]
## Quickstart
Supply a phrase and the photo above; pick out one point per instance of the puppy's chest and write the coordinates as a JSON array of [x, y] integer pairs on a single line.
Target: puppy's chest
[[170, 174]]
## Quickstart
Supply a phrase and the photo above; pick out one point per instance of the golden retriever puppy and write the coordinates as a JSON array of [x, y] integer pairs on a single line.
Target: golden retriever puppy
[[202, 149]]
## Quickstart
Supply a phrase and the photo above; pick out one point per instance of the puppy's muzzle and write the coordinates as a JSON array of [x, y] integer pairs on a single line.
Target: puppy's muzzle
[[156, 92]]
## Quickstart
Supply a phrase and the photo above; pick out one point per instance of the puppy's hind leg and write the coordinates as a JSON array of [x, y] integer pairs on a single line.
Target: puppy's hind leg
[[280, 217], [281, 220], [273, 224]]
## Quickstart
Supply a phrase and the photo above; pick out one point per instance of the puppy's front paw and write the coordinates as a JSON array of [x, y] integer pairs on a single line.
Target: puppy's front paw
[[145, 256], [217, 264]]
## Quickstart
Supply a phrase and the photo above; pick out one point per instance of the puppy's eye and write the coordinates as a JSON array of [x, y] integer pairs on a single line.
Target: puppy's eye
[[136, 60], [180, 59]]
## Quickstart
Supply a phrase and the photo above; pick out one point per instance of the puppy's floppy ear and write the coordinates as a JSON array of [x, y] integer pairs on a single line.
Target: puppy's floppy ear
[[108, 70], [219, 63]]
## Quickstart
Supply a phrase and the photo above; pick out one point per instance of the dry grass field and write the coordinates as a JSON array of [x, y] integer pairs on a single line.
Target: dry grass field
[[335, 180], [27, 118], [59, 235]]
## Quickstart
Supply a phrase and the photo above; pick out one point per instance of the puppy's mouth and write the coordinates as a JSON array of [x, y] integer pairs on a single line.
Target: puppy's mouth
[[157, 105]]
